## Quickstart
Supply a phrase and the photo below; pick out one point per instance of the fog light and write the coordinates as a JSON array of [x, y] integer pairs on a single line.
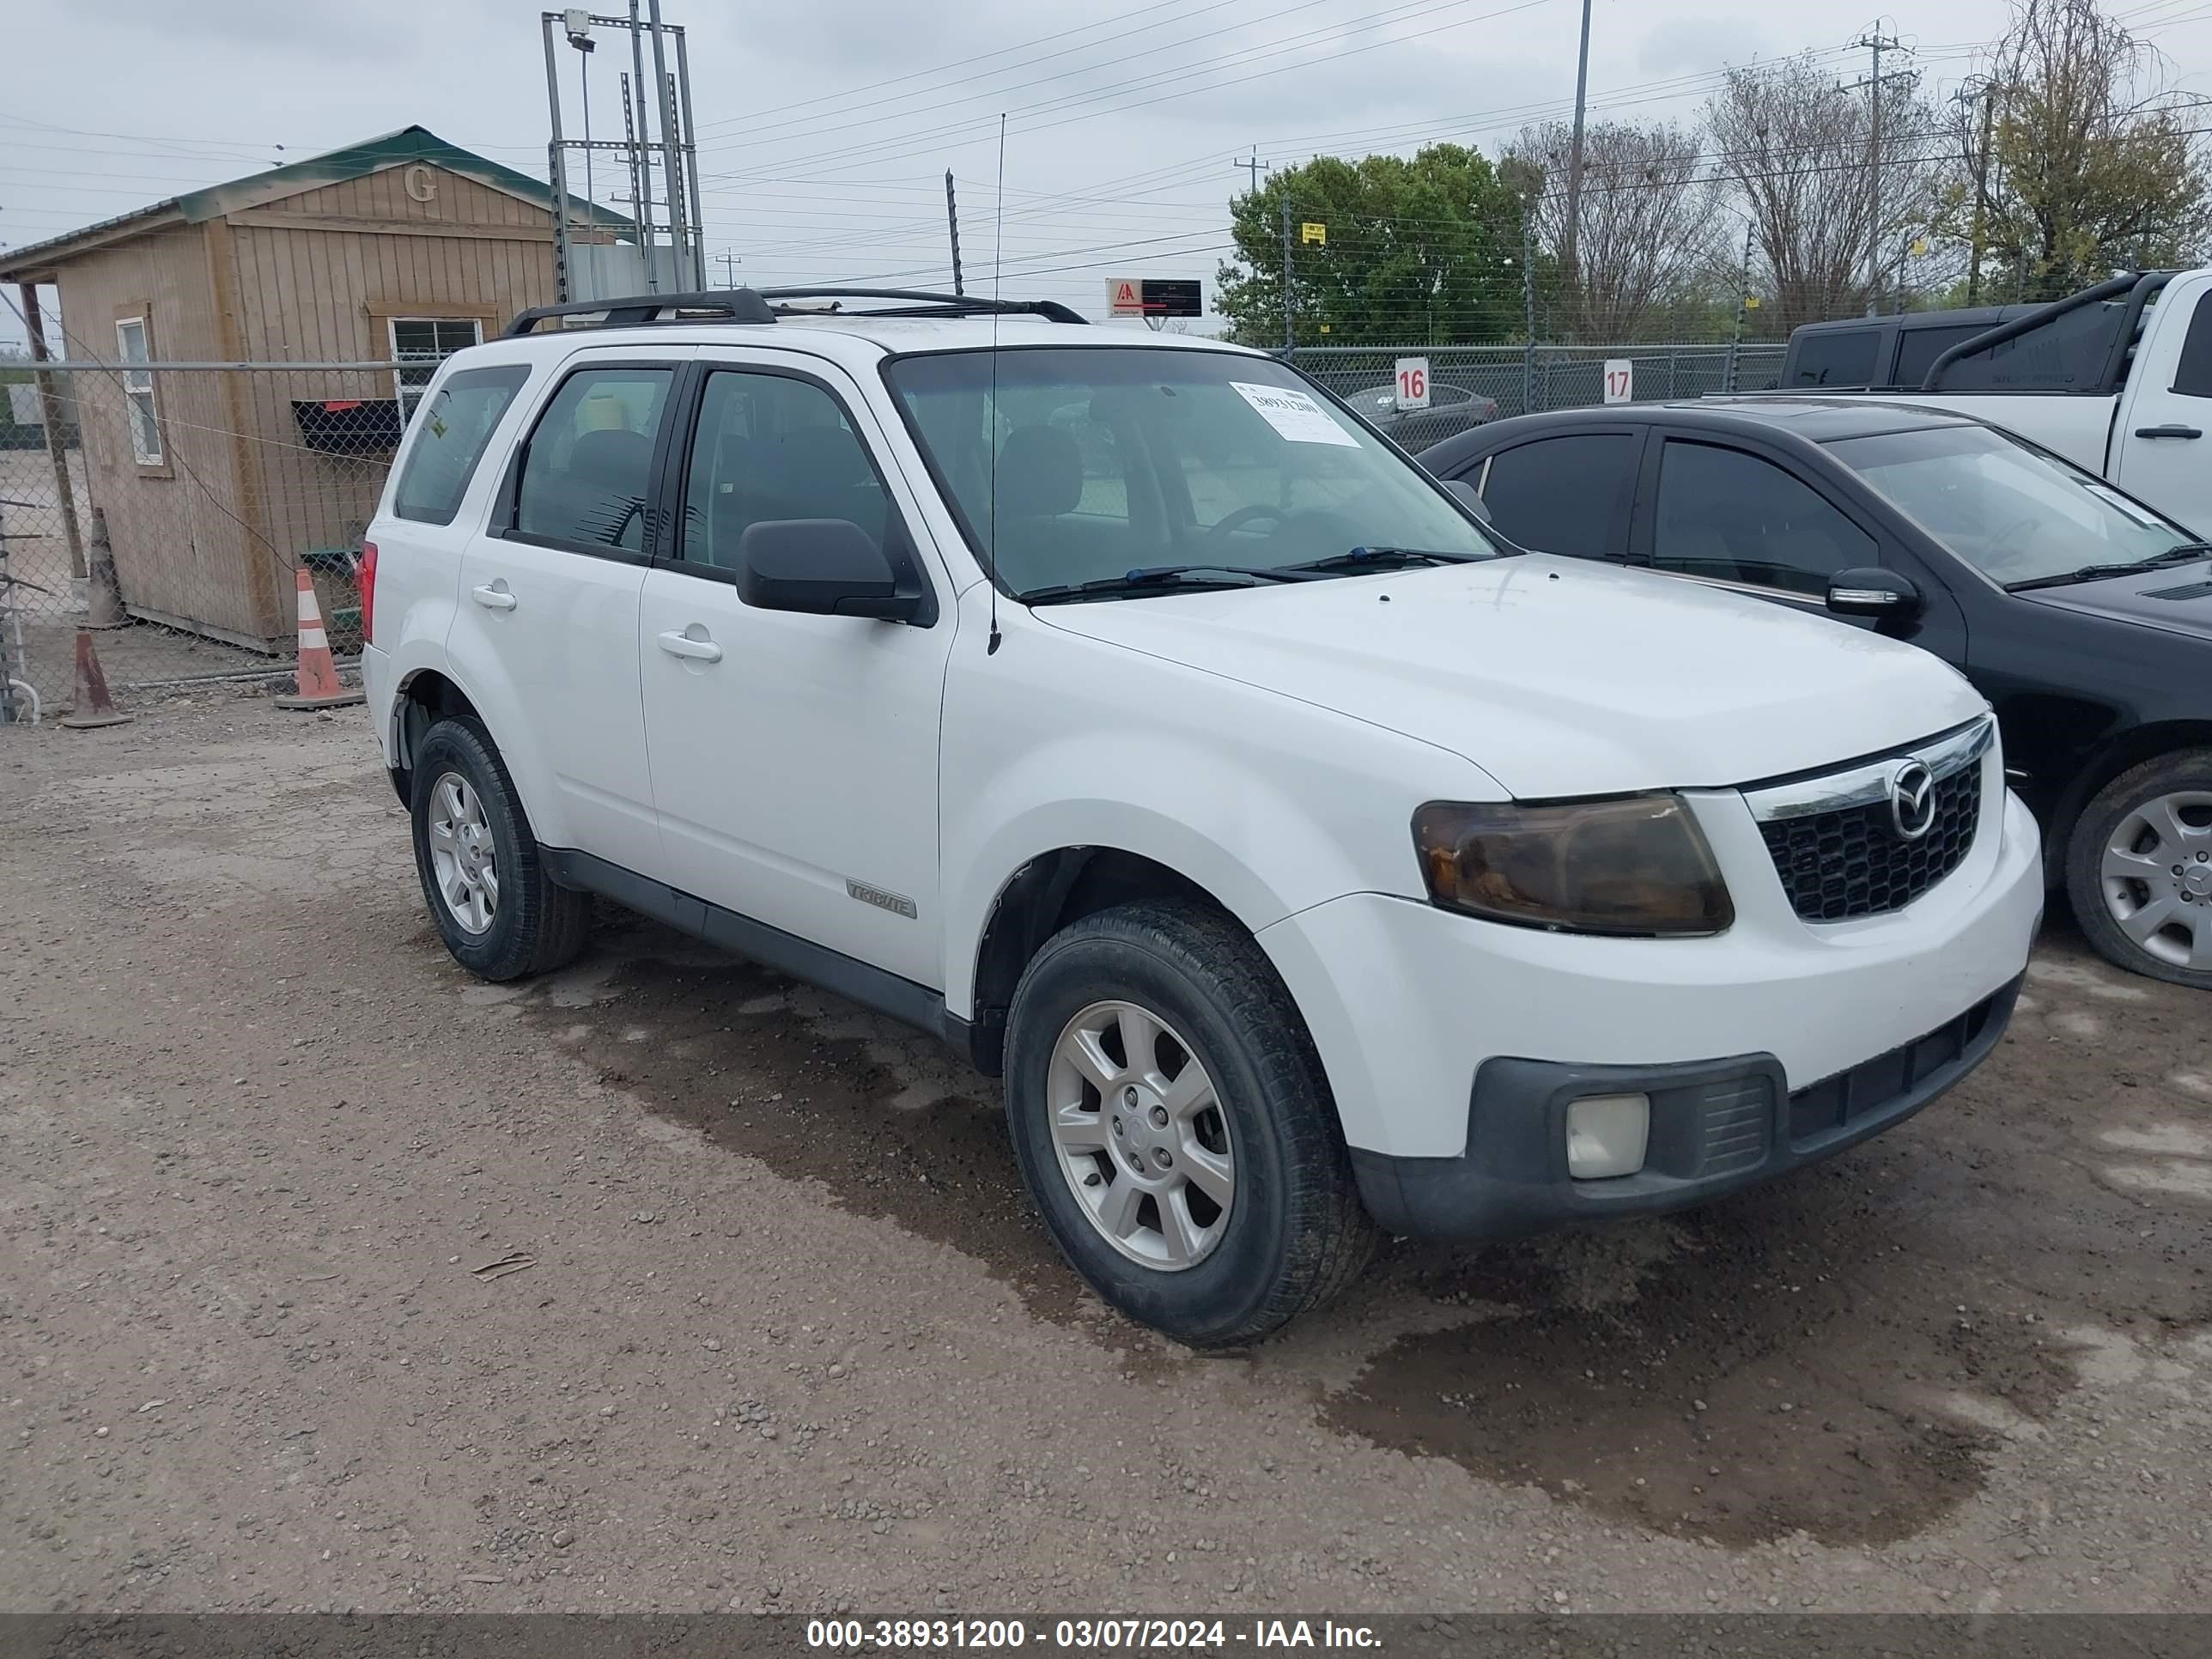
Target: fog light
[[1606, 1134]]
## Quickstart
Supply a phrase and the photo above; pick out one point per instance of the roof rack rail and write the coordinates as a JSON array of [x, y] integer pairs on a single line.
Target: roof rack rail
[[926, 302], [745, 305], [740, 305]]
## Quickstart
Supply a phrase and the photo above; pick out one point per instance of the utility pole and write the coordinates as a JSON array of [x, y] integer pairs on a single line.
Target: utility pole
[[1573, 236], [1290, 329], [1743, 308], [1878, 43], [729, 259], [1254, 166], [1988, 97], [952, 229]]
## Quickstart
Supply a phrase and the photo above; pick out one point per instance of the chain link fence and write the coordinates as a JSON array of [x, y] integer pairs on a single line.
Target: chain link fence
[[1471, 385], [169, 507]]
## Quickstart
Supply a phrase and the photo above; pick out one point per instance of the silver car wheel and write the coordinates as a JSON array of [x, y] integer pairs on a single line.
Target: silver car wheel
[[1141, 1136], [463, 857], [2156, 877]]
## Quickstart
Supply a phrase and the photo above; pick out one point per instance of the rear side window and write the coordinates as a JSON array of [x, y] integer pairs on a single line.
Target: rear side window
[[1840, 356], [1917, 352], [2193, 379], [450, 433], [1566, 494], [588, 470]]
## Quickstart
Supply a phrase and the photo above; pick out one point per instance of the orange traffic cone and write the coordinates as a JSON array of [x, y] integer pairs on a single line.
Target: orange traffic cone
[[92, 706], [318, 675]]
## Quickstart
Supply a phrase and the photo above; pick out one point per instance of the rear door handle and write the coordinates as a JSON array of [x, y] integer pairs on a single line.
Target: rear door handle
[[493, 597], [2169, 432], [683, 644]]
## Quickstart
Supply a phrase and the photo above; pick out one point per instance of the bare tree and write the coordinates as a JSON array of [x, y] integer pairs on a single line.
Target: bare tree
[[1651, 213], [1799, 154], [2078, 155]]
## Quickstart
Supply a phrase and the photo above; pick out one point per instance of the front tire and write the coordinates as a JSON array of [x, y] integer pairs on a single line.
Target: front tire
[[1176, 1128], [500, 913], [2139, 869]]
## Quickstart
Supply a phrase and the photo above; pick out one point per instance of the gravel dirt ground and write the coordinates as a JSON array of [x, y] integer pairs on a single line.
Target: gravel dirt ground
[[331, 1279]]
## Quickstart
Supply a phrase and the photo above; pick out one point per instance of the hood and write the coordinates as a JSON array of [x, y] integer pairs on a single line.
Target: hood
[[1559, 678], [2178, 598]]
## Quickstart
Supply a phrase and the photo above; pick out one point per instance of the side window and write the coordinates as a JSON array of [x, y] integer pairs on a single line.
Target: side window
[[2193, 377], [1837, 356], [450, 439], [769, 446], [1918, 349], [1726, 514], [588, 468], [1565, 495]]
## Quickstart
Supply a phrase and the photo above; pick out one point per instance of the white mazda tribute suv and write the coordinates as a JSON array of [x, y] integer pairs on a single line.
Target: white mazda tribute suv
[[1307, 861]]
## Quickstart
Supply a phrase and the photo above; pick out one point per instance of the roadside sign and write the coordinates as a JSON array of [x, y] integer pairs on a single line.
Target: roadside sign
[[1153, 296], [1412, 382], [1620, 380], [1311, 232]]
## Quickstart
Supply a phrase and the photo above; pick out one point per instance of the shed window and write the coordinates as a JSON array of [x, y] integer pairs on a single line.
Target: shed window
[[131, 346], [420, 344]]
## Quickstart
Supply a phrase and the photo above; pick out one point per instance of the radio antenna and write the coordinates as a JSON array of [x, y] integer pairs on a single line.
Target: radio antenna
[[991, 424]]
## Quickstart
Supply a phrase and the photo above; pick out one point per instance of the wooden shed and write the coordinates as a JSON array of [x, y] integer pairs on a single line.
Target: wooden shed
[[217, 483]]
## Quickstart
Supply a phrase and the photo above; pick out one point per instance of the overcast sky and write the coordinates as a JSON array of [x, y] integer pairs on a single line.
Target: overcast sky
[[825, 127]]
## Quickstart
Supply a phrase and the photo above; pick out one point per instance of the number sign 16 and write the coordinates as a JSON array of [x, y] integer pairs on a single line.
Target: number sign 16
[[1412, 382]]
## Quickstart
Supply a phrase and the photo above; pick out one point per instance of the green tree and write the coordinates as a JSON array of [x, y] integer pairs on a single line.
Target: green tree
[[1418, 250], [2090, 165]]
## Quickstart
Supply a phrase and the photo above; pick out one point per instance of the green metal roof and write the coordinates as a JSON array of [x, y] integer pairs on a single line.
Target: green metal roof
[[403, 148]]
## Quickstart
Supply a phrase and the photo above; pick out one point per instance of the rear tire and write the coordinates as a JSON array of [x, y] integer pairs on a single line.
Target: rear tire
[[1130, 1158], [2139, 869], [500, 913]]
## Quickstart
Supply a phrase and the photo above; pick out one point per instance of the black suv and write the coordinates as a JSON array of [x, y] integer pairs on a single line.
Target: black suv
[[2084, 615]]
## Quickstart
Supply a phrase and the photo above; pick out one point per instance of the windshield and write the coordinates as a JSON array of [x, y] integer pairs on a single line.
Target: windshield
[[1112, 459], [2014, 514]]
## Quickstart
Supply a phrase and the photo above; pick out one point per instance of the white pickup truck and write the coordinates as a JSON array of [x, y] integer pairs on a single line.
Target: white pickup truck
[[2118, 378]]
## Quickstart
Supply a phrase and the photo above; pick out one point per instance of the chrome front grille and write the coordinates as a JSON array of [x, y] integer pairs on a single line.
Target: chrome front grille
[[1872, 837]]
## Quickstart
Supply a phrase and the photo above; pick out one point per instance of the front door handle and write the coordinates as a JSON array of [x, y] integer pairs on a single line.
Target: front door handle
[[2170, 431], [493, 596], [683, 644]]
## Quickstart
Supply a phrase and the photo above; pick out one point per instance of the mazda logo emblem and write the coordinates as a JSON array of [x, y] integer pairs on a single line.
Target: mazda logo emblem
[[1912, 800]]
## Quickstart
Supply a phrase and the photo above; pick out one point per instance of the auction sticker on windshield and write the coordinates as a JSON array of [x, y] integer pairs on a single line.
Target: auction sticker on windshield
[[1294, 415]]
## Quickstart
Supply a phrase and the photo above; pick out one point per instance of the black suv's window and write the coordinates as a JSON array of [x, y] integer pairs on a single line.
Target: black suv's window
[[2193, 378], [1917, 351], [1729, 515], [451, 432], [1566, 494], [772, 446], [1840, 356], [589, 467]]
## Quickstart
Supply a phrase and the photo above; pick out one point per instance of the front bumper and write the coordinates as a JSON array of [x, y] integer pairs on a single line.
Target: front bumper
[[1716, 1126], [1409, 1005]]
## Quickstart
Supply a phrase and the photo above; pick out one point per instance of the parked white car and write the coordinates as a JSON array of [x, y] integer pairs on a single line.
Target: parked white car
[[1305, 861], [2118, 379]]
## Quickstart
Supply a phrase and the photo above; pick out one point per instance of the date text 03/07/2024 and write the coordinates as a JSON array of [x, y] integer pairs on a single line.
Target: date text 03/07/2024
[[1084, 1635]]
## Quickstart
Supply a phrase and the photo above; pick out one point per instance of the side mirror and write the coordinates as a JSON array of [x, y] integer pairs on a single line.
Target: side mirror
[[1464, 493], [1871, 591], [820, 568]]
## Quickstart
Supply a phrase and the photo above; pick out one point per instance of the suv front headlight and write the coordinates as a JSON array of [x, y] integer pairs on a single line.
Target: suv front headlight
[[1633, 867]]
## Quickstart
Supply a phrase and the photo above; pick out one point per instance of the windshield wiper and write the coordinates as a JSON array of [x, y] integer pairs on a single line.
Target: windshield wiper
[[2185, 553], [1366, 558], [1161, 576]]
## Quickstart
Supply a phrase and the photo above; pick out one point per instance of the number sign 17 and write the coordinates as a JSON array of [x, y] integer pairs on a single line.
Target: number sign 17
[[1620, 380]]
